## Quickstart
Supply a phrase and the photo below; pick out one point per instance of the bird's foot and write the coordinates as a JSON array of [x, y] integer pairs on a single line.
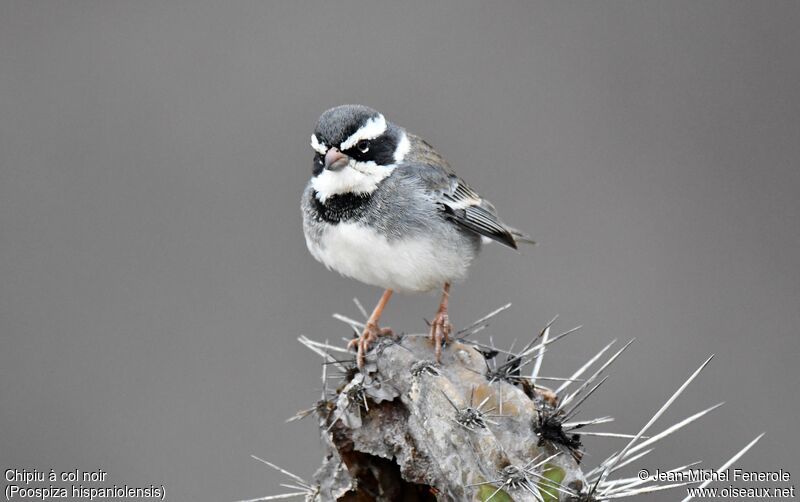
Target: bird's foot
[[440, 332], [362, 344]]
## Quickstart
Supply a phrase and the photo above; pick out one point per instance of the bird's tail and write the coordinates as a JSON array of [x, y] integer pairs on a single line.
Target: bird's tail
[[520, 237]]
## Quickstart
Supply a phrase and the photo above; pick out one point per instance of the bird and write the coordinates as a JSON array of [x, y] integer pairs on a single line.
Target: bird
[[383, 207]]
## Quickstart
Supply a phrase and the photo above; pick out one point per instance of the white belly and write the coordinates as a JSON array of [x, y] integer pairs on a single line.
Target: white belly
[[417, 264]]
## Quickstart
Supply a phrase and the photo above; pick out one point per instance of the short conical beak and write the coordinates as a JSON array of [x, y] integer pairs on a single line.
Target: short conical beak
[[335, 160]]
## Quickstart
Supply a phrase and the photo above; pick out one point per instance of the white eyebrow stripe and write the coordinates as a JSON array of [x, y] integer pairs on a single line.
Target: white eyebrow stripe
[[403, 147], [318, 147], [371, 130]]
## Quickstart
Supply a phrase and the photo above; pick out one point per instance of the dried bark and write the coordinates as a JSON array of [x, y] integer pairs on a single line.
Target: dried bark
[[408, 429]]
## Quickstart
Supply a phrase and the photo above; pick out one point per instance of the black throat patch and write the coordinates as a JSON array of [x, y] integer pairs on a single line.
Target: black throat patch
[[341, 207]]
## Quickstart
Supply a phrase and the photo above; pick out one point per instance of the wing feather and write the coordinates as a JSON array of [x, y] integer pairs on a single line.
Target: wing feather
[[465, 207], [461, 204]]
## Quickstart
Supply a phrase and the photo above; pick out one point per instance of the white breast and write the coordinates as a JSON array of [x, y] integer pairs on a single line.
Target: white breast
[[415, 264]]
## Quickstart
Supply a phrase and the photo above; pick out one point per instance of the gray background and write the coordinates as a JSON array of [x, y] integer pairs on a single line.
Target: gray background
[[154, 275]]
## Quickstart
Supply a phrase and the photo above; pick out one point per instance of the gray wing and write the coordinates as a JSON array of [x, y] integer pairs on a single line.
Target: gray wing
[[464, 207]]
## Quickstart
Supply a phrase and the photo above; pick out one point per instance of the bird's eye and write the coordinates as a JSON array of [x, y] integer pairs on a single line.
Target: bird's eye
[[363, 146]]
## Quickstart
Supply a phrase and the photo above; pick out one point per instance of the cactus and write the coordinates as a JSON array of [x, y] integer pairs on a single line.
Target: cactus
[[472, 427]]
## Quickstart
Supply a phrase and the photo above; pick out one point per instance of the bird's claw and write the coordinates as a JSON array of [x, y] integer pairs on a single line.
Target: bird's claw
[[362, 343]]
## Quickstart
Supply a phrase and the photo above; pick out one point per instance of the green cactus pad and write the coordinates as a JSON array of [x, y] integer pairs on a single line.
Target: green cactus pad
[[486, 491], [548, 487]]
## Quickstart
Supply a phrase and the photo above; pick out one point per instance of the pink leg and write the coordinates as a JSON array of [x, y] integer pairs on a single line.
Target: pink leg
[[371, 330], [441, 327]]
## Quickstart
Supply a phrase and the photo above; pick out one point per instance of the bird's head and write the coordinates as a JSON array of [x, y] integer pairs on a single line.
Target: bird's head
[[355, 148]]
